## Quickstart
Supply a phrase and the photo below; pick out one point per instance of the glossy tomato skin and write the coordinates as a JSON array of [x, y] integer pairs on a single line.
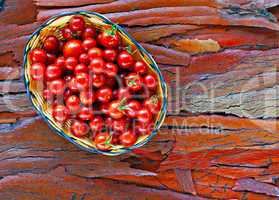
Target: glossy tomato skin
[[67, 33], [134, 81], [84, 59], [87, 98], [128, 138], [79, 128], [72, 48], [48, 96], [82, 81], [120, 125], [115, 111], [104, 94], [57, 86], [60, 113], [51, 44], [101, 141], [110, 55], [50, 58], [73, 103], [88, 43], [153, 104], [140, 67], [38, 56], [144, 115], [53, 72], [98, 80], [94, 52], [97, 65], [144, 128], [96, 124], [80, 68], [123, 93], [108, 40], [110, 69], [72, 84], [150, 81], [85, 114], [133, 106], [71, 63], [77, 23], [110, 82], [37, 71], [125, 60], [104, 108], [60, 62], [89, 32], [67, 93]]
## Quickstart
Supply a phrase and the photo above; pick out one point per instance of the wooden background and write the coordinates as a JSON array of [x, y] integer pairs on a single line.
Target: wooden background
[[220, 139]]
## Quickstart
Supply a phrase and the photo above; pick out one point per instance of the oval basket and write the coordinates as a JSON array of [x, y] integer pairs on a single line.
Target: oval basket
[[52, 26]]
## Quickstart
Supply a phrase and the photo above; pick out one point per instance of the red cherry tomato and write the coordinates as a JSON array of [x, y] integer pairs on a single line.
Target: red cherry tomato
[[108, 39], [57, 86], [150, 81], [125, 60], [102, 141], [82, 81], [60, 62], [134, 81], [115, 110], [38, 55], [72, 48], [48, 96], [60, 113], [85, 114], [89, 32], [67, 33], [77, 23], [104, 94], [37, 71], [88, 43], [120, 124], [80, 68], [98, 80], [110, 82], [67, 94], [104, 108], [96, 124], [53, 72], [87, 98], [72, 84], [50, 58], [71, 63], [140, 67], [94, 52], [110, 55], [132, 108], [144, 115], [97, 65], [51, 44], [123, 93], [128, 138], [73, 103], [144, 128], [79, 128], [110, 69], [84, 59], [153, 104]]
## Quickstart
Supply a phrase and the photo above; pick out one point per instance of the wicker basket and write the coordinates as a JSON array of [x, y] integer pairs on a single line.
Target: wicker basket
[[52, 27]]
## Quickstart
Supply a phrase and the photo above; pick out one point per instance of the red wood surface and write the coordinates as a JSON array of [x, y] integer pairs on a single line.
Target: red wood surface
[[220, 138]]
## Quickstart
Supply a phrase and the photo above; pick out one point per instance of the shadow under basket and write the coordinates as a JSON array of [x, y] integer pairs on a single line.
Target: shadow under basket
[[53, 27]]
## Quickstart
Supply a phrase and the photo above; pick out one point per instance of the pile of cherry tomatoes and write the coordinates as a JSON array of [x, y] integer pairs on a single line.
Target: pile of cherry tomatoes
[[90, 78]]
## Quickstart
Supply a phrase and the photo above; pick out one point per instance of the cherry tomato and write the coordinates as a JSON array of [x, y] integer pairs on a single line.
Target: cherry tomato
[[125, 60], [60, 62], [85, 114], [98, 80], [82, 81], [57, 86], [88, 43], [80, 68], [132, 108], [134, 81], [94, 52], [104, 108], [53, 72], [109, 39], [79, 128], [144, 128], [51, 44], [102, 141], [97, 65], [153, 104], [110, 69], [104, 94], [96, 124], [89, 32], [144, 115], [73, 103], [60, 113], [128, 138], [110, 82], [77, 23], [37, 71], [150, 81], [48, 96], [120, 124], [87, 98], [67, 33], [38, 56], [115, 109], [140, 67], [123, 93], [71, 63], [72, 48], [67, 94], [110, 55], [50, 58], [72, 84], [84, 59]]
